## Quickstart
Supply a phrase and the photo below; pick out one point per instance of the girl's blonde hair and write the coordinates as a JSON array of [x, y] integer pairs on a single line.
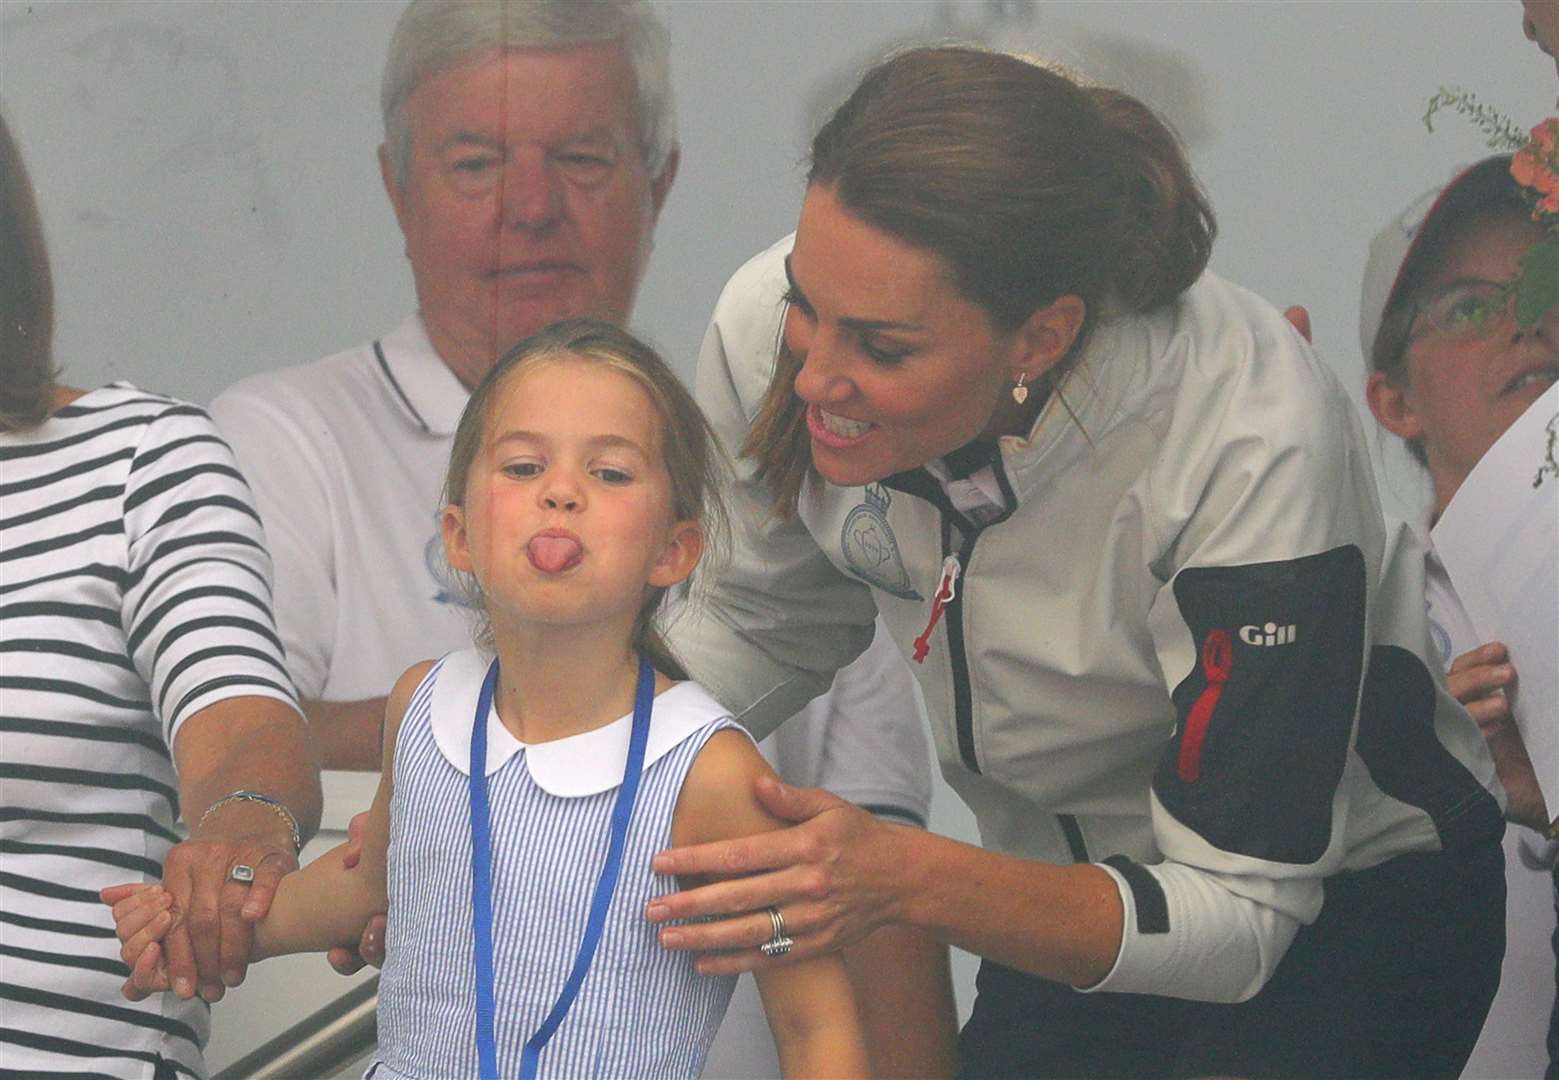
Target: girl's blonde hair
[[692, 454]]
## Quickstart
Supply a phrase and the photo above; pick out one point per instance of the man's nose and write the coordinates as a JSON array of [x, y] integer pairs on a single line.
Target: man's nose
[[531, 192]]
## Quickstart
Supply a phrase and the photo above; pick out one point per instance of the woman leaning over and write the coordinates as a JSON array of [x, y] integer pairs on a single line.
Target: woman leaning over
[[1122, 522], [142, 677]]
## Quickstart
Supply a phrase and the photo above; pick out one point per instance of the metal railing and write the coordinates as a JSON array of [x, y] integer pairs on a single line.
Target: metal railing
[[319, 1045]]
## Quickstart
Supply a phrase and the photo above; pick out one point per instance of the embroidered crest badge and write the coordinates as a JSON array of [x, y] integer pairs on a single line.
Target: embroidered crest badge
[[870, 549]]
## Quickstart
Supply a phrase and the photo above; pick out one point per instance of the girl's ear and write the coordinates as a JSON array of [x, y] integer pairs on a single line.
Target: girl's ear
[[457, 548], [1047, 335], [684, 547], [1392, 405]]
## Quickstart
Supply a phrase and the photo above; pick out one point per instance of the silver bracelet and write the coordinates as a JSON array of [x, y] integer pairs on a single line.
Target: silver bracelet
[[258, 797]]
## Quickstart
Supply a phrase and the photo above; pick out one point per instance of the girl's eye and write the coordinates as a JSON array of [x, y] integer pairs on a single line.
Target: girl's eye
[[522, 469], [884, 353], [610, 475]]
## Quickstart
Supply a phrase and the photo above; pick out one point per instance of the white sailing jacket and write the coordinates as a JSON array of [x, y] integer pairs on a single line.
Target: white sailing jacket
[[1155, 660]]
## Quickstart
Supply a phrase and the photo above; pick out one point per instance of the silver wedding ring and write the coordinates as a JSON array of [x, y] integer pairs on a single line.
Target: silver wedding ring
[[242, 873], [779, 944]]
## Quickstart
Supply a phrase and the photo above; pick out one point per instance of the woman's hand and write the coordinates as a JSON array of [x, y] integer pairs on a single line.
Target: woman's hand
[[829, 876], [208, 949]]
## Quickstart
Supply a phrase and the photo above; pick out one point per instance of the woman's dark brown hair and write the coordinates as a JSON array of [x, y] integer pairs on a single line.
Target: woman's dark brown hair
[[1029, 186], [26, 298]]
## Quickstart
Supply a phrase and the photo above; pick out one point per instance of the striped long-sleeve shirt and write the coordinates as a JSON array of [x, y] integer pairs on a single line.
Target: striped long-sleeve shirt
[[134, 592]]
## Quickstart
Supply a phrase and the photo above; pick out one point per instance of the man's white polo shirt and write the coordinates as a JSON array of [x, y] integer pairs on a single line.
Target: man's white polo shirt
[[346, 457]]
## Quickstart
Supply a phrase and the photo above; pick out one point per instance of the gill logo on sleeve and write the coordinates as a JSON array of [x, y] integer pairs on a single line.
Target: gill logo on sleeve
[[1270, 634]]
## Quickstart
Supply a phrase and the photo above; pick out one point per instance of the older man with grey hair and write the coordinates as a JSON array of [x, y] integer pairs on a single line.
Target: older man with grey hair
[[529, 148]]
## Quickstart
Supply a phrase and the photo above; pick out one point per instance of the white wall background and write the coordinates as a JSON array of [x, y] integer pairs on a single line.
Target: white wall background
[[207, 176]]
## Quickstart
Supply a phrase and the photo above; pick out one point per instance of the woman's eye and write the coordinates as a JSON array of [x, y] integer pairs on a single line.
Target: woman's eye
[[883, 353], [794, 298]]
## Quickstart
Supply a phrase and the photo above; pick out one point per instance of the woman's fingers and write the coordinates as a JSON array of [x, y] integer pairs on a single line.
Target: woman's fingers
[[735, 944], [761, 851]]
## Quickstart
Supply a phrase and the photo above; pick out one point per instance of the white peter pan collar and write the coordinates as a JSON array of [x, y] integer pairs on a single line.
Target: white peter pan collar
[[584, 764]]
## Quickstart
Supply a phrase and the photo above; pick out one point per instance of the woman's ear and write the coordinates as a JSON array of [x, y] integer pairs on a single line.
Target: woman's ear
[[1047, 336], [684, 547], [457, 547], [1392, 405]]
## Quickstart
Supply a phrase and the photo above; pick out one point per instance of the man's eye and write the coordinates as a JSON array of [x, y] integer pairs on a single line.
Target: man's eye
[[474, 165], [583, 161]]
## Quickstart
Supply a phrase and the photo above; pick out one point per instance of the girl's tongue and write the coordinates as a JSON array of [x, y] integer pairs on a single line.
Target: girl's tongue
[[554, 554]]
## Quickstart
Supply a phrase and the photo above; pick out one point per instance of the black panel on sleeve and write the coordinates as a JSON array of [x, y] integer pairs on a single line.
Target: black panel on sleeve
[[1266, 710], [1147, 895], [1398, 745]]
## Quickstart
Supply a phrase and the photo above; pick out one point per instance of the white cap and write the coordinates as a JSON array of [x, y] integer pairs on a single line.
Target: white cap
[[1432, 213]]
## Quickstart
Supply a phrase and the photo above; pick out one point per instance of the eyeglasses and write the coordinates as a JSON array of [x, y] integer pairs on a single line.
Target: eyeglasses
[[1465, 309]]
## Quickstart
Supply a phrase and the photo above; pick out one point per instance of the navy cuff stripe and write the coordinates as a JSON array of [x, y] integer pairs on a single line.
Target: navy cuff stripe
[[1147, 895]]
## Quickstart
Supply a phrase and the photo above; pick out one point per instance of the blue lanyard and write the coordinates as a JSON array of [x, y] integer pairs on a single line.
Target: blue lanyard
[[482, 876]]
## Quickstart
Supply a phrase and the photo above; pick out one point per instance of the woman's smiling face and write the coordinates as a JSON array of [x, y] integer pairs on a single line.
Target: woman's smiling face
[[897, 368]]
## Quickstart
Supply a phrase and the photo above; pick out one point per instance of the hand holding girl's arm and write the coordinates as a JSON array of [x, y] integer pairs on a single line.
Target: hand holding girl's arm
[[840, 873], [809, 1003], [325, 904], [328, 903]]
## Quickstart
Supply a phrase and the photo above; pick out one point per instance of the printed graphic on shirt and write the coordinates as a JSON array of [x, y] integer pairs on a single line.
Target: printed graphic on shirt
[[1265, 712], [871, 549], [1397, 743]]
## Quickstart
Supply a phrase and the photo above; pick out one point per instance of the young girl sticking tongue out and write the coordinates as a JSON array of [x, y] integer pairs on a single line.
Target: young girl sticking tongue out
[[527, 785]]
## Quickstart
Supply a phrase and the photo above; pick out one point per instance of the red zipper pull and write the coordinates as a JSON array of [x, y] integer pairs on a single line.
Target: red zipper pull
[[1217, 666], [944, 596]]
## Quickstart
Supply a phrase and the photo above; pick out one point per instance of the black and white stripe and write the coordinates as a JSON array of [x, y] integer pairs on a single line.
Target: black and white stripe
[[134, 592]]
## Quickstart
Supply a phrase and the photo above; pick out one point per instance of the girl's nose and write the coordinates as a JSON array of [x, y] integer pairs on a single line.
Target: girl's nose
[[561, 492]]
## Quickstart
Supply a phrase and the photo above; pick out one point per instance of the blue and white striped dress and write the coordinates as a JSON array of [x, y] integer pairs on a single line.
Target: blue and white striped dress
[[642, 1011]]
